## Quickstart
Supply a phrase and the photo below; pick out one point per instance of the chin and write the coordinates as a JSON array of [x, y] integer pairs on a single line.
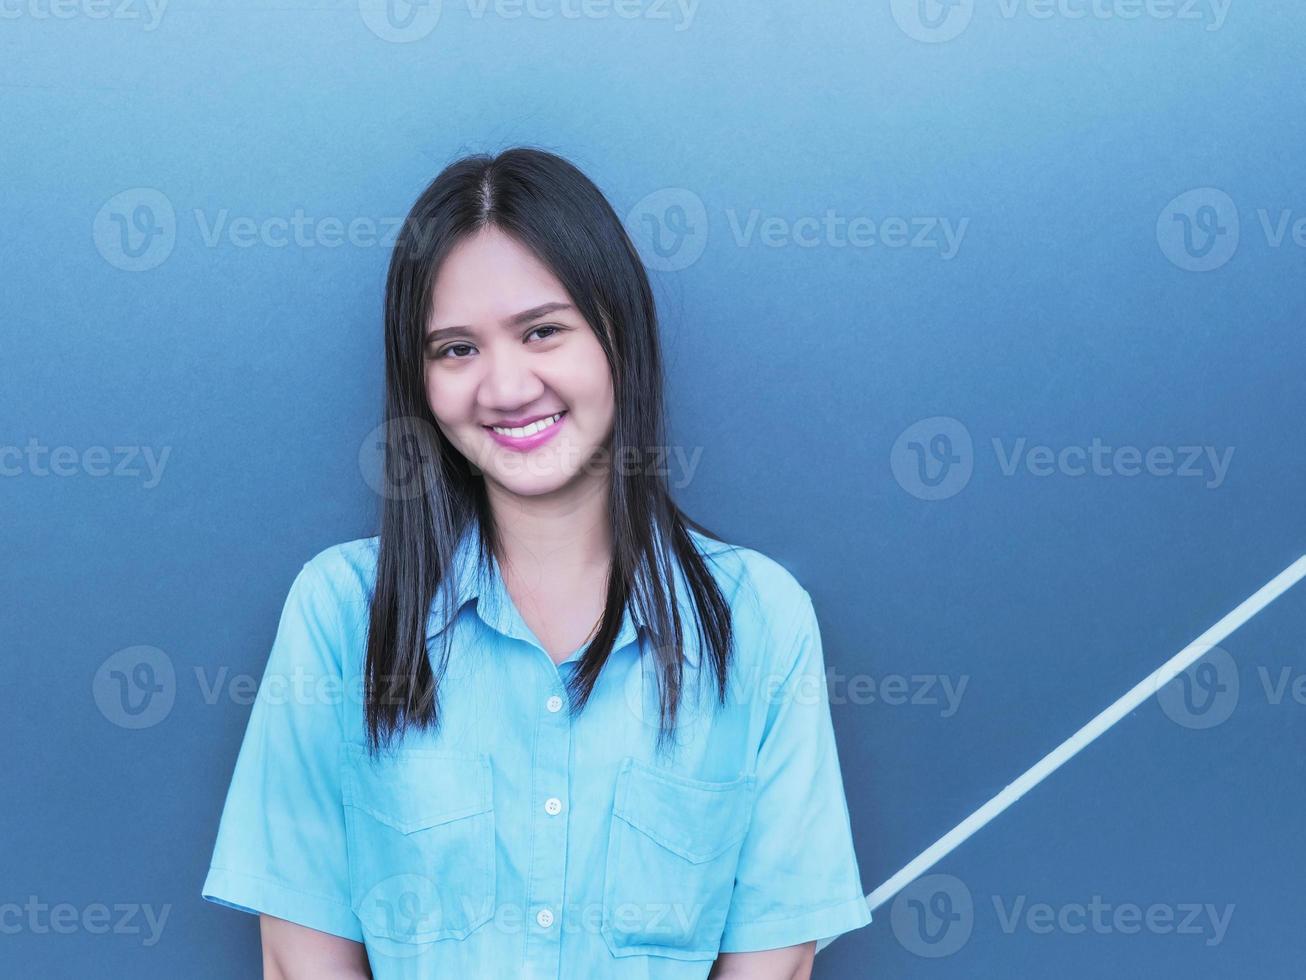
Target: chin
[[537, 485]]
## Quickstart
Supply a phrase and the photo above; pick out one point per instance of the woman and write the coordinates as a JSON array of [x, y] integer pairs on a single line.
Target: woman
[[411, 798]]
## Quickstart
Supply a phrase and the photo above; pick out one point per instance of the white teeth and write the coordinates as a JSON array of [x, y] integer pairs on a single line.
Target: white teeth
[[527, 430]]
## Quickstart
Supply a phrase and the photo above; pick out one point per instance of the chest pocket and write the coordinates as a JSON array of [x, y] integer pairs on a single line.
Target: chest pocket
[[673, 847], [420, 830]]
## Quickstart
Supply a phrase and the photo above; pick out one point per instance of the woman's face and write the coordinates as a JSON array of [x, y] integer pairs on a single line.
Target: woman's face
[[506, 347]]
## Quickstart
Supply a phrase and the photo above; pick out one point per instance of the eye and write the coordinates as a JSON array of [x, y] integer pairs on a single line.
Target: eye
[[447, 352], [546, 326], [452, 347]]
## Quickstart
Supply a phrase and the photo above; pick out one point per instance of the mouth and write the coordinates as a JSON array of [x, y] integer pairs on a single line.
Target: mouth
[[527, 436]]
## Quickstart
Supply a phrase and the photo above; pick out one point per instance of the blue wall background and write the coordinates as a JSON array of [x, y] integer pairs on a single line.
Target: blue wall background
[[1043, 161]]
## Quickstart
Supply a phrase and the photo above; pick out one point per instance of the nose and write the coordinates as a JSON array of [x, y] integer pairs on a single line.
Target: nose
[[508, 383]]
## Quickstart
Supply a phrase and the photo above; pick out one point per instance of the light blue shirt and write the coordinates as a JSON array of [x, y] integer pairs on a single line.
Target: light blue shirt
[[519, 842]]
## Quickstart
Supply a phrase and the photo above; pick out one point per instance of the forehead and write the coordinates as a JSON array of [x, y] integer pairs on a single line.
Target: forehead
[[489, 276]]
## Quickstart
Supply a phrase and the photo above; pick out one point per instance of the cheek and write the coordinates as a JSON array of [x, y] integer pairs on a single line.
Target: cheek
[[445, 398], [591, 383], [436, 400]]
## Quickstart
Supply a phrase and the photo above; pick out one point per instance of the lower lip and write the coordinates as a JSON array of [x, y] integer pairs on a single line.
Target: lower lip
[[525, 443]]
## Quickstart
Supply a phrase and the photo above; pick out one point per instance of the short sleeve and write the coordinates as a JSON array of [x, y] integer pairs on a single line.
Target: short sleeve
[[798, 878], [280, 845]]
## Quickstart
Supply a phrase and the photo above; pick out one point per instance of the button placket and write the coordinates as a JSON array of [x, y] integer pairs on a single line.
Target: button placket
[[549, 834]]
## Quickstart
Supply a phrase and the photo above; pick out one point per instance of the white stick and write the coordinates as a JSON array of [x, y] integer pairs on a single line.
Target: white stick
[[1126, 703]]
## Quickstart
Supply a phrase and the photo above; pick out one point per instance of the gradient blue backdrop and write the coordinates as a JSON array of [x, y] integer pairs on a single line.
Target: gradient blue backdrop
[[824, 387]]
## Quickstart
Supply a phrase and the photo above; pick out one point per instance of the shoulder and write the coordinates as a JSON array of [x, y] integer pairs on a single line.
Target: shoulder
[[764, 594], [345, 572], [330, 599]]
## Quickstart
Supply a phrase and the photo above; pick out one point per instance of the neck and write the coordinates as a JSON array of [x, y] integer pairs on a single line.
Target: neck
[[546, 537]]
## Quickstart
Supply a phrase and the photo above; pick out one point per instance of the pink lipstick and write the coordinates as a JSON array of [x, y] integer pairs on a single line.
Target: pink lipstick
[[528, 434]]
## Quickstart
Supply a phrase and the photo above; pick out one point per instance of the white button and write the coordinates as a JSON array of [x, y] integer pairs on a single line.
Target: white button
[[544, 917], [554, 703], [553, 805]]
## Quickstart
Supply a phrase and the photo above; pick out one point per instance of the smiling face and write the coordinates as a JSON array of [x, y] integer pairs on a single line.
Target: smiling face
[[506, 353]]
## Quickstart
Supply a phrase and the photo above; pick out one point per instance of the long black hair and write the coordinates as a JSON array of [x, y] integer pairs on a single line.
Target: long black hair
[[434, 493]]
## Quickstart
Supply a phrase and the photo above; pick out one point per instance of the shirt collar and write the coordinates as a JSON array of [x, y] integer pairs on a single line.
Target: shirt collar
[[483, 582]]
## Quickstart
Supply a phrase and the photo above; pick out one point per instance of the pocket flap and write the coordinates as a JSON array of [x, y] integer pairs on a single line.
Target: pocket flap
[[412, 789], [696, 819]]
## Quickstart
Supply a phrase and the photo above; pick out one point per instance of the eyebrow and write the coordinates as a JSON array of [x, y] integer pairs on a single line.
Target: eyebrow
[[525, 316]]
